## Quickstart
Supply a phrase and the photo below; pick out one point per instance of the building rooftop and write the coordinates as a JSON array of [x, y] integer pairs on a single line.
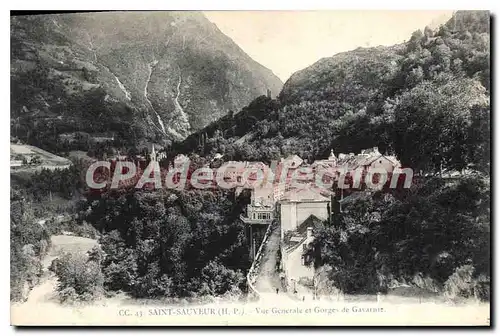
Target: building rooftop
[[312, 221], [292, 160], [306, 194], [361, 160]]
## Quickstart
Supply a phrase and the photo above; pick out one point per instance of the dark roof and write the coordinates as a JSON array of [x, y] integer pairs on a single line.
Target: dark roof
[[361, 160], [311, 221], [354, 197], [308, 193]]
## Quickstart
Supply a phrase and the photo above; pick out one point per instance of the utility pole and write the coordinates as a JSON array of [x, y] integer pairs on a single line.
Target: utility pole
[[253, 249], [329, 211], [251, 243], [341, 198]]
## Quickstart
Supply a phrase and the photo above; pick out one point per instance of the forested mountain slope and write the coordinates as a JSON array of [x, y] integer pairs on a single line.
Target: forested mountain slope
[[426, 100], [134, 76]]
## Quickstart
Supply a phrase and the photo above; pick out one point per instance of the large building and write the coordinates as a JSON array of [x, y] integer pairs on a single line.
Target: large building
[[297, 205], [262, 206], [368, 158], [296, 264], [301, 211]]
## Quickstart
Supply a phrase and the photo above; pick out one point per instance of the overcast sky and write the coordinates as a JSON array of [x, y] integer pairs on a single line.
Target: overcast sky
[[289, 41]]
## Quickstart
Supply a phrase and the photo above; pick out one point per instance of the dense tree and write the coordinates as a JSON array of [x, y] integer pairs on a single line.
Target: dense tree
[[167, 244], [430, 231], [425, 100], [29, 242], [434, 121], [79, 279]]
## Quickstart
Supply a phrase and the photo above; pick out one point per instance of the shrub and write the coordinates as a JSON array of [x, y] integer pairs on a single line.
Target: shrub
[[220, 279], [482, 288], [80, 279], [68, 295], [464, 284]]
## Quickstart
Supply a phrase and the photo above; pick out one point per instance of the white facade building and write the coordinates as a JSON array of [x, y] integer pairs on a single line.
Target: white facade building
[[298, 205]]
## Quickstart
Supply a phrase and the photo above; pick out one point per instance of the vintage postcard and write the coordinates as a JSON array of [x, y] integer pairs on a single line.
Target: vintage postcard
[[263, 168]]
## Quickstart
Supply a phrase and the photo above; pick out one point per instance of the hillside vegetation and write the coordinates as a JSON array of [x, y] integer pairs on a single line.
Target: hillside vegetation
[[29, 243], [435, 237], [187, 244], [426, 100]]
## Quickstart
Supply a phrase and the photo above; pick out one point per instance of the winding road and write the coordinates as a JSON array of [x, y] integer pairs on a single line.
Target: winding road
[[268, 279]]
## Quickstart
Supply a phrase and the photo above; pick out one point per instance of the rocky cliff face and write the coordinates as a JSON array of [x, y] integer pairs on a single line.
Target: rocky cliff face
[[137, 75]]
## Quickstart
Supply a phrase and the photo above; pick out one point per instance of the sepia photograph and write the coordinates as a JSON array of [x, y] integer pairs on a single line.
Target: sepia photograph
[[250, 168]]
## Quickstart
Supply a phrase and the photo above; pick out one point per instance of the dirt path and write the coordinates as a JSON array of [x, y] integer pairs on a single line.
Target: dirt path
[[268, 279], [45, 290]]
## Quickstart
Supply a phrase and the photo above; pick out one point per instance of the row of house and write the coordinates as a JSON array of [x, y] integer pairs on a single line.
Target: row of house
[[302, 209], [305, 194]]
